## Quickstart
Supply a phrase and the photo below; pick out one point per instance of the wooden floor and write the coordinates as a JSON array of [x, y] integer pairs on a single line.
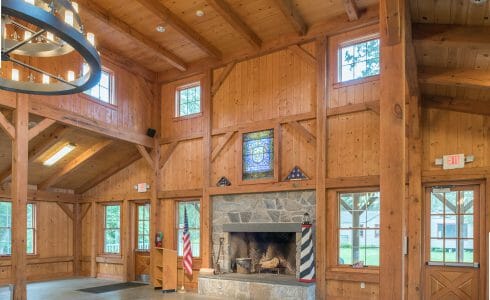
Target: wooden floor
[[67, 289]]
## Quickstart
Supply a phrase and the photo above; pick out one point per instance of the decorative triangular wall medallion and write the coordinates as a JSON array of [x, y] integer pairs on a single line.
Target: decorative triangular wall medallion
[[297, 174], [223, 181]]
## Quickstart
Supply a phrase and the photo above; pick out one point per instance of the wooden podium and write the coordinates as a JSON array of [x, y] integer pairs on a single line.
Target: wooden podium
[[165, 272]]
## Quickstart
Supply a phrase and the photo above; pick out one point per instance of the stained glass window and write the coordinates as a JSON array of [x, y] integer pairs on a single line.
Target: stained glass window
[[258, 155]]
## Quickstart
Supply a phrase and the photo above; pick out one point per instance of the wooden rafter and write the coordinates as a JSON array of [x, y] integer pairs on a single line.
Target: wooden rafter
[[332, 26], [40, 127], [40, 148], [66, 209], [292, 15], [457, 104], [168, 17], [227, 12], [305, 133], [105, 16], [222, 77], [166, 156], [220, 146], [305, 55], [7, 127], [351, 10], [452, 36], [129, 64], [469, 78], [108, 173], [144, 153], [74, 164]]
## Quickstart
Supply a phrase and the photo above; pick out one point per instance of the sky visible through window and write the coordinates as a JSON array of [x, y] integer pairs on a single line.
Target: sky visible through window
[[359, 60]]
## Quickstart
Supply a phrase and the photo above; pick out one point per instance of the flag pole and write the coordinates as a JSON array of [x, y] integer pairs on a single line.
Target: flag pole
[[182, 288]]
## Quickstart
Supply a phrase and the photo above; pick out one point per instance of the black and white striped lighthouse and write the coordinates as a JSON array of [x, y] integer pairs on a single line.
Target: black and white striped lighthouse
[[307, 262]]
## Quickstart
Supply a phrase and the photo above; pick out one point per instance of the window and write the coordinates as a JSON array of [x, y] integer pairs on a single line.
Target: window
[[194, 223], [31, 229], [112, 228], [6, 228], [143, 227], [358, 60], [258, 155], [103, 90], [358, 228], [188, 100], [452, 226]]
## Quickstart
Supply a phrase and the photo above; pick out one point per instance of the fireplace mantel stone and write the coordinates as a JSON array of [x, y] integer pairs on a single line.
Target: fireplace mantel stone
[[262, 227]]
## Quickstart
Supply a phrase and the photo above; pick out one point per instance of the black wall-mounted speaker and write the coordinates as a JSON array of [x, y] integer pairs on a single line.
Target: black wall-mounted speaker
[[151, 132]]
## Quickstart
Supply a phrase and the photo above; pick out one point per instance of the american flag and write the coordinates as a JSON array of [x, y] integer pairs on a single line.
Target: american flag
[[187, 258]]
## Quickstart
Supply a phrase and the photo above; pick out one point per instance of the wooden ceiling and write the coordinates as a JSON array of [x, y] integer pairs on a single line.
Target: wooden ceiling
[[94, 158], [227, 27], [452, 44]]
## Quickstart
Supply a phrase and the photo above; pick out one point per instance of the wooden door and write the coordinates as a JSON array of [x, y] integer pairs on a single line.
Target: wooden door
[[453, 244], [142, 242]]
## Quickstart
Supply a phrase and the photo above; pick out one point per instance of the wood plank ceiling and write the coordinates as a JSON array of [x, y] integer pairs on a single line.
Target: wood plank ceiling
[[452, 45], [227, 27]]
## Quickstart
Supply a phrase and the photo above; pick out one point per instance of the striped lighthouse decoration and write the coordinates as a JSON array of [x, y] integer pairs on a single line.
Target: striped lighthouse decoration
[[307, 262]]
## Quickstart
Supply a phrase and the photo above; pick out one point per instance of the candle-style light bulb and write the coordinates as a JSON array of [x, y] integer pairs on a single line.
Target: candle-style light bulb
[[69, 17], [75, 6], [27, 35], [91, 38], [71, 75], [45, 79], [15, 74], [50, 36]]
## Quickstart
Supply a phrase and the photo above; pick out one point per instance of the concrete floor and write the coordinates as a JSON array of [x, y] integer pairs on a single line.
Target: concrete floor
[[67, 289]]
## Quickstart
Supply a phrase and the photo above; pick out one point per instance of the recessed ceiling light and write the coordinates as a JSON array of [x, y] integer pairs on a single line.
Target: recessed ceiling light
[[199, 13], [478, 1], [160, 28], [59, 154]]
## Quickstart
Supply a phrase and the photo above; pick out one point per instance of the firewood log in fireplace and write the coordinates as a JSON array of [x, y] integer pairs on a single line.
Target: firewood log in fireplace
[[270, 264]]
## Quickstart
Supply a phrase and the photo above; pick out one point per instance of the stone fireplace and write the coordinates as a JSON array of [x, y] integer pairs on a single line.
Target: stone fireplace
[[261, 226]]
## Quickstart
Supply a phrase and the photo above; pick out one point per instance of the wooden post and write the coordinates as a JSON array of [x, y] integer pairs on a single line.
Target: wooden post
[[20, 147], [77, 239], [321, 167], [93, 245], [392, 152], [206, 210], [154, 205], [126, 241]]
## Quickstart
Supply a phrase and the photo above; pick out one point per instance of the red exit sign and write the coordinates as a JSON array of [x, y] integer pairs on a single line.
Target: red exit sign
[[454, 161]]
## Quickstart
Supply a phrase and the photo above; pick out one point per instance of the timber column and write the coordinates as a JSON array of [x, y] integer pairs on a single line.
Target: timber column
[[20, 144], [392, 149]]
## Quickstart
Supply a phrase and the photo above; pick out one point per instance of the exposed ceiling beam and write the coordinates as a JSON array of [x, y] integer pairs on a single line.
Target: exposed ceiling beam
[[292, 15], [351, 9], [74, 164], [127, 63], [469, 78], [38, 149], [108, 173], [457, 104], [7, 127], [227, 12], [106, 17], [156, 7], [453, 36], [332, 26]]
